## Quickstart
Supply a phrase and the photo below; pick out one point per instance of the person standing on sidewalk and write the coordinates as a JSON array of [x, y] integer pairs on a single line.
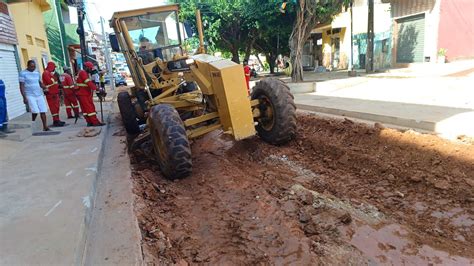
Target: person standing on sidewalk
[[52, 93], [95, 77], [102, 81], [69, 89], [84, 93], [3, 112], [32, 92]]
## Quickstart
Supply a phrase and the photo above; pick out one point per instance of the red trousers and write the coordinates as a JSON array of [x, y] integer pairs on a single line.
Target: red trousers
[[53, 103], [70, 101], [88, 109]]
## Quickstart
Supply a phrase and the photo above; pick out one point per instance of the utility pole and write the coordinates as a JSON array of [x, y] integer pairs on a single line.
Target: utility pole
[[278, 50], [352, 73], [80, 30], [369, 64], [108, 62]]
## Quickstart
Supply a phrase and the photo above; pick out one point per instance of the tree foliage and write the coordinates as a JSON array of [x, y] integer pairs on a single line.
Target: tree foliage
[[242, 26], [247, 26], [272, 29], [226, 25]]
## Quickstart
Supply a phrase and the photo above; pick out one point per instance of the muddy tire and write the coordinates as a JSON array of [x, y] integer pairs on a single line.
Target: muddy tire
[[170, 141], [277, 123], [127, 111]]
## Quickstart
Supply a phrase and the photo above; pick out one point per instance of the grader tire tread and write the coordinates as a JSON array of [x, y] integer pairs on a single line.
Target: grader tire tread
[[284, 108], [176, 162], [127, 112]]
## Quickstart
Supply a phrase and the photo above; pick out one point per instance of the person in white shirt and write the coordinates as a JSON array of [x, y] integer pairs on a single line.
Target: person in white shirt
[[32, 91], [96, 78]]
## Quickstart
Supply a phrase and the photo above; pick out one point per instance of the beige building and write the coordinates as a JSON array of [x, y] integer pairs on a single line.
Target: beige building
[[30, 28], [331, 43]]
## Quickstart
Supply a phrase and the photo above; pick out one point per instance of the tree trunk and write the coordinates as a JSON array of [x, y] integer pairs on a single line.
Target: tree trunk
[[259, 60], [248, 49], [235, 56], [307, 17], [305, 22], [296, 56], [271, 62], [369, 62], [272, 66]]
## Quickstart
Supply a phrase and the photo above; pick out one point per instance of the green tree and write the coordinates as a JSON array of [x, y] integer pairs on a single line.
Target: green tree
[[227, 27], [271, 29]]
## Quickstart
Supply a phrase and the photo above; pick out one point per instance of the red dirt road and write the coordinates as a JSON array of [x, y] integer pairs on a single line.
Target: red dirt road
[[340, 193]]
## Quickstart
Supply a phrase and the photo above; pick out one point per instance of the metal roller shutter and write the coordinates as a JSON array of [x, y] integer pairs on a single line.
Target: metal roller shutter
[[411, 39], [9, 75]]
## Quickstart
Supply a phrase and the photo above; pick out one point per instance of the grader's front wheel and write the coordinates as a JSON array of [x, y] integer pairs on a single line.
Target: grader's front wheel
[[127, 111], [277, 121], [170, 141]]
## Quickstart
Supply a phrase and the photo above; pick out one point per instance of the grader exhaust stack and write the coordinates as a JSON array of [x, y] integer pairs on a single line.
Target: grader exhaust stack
[[201, 49], [178, 97]]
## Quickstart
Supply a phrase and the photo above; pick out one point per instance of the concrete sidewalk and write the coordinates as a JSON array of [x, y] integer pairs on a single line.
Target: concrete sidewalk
[[442, 103], [447, 121], [47, 188]]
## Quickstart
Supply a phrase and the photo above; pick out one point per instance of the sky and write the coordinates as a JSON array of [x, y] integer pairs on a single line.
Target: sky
[[106, 8]]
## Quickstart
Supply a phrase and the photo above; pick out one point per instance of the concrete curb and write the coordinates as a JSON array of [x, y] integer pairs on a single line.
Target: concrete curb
[[113, 235], [403, 122], [302, 87], [80, 255]]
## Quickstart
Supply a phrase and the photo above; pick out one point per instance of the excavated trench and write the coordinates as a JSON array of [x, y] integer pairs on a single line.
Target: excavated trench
[[340, 193]]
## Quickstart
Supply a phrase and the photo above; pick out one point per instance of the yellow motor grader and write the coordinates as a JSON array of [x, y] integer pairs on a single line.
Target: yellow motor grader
[[178, 97]]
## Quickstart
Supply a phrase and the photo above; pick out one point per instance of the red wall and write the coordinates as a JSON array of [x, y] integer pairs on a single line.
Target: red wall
[[456, 28]]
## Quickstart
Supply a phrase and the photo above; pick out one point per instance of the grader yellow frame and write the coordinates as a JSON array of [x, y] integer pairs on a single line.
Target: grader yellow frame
[[183, 97]]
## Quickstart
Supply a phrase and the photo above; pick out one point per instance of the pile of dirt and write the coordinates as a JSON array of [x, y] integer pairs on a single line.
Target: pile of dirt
[[326, 197], [89, 132]]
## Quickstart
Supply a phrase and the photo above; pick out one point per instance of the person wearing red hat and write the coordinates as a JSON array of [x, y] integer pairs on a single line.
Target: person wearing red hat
[[70, 99], [84, 93], [52, 93]]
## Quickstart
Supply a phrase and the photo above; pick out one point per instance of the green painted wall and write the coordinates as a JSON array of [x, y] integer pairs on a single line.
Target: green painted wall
[[56, 32], [382, 50], [71, 35]]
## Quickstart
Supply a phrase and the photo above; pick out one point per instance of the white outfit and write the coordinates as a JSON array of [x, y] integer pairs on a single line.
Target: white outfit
[[37, 104], [33, 92]]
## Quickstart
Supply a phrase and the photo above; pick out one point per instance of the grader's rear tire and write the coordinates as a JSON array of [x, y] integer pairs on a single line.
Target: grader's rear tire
[[127, 111], [277, 123], [170, 141]]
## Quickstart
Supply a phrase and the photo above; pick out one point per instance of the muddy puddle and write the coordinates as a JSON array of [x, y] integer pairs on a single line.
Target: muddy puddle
[[341, 193], [391, 244]]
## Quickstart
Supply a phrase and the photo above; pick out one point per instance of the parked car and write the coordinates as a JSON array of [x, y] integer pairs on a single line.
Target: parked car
[[120, 81]]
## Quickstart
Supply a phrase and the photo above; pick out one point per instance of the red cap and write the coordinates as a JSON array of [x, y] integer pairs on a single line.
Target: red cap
[[51, 66], [89, 65]]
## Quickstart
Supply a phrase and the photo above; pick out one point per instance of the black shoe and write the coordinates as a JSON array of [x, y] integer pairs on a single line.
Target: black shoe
[[70, 117], [58, 124], [5, 130], [98, 125]]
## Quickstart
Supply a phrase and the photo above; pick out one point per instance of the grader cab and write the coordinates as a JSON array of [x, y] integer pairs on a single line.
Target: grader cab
[[178, 97]]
